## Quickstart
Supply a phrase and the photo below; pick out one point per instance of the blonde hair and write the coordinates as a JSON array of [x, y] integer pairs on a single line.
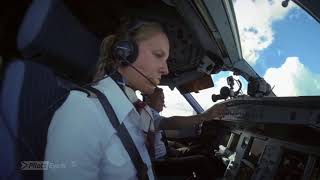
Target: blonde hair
[[107, 63]]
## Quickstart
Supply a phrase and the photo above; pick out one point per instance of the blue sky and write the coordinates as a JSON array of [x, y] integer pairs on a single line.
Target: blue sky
[[281, 44], [296, 35]]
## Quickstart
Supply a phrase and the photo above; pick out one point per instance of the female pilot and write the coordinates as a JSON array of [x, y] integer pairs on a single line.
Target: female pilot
[[81, 143]]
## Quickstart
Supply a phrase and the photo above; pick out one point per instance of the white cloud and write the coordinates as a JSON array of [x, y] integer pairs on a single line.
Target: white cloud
[[255, 20], [175, 103], [293, 79]]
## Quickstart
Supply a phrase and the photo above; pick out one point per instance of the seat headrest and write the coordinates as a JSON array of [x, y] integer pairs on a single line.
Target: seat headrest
[[50, 30]]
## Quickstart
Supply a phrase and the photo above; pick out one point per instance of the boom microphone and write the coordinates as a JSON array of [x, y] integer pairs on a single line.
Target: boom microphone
[[137, 70]]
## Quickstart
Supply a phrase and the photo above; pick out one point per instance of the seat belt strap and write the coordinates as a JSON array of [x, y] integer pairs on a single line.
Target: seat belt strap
[[123, 134]]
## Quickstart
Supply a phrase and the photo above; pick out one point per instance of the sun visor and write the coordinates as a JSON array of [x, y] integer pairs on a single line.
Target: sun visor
[[197, 85]]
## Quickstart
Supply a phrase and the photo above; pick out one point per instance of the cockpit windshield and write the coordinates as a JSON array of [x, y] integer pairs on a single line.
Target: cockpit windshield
[[281, 44]]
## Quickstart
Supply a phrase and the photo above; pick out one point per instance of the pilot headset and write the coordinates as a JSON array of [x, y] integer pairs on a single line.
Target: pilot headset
[[126, 49]]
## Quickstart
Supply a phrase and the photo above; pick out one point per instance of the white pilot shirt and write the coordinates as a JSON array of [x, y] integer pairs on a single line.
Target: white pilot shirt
[[83, 145]]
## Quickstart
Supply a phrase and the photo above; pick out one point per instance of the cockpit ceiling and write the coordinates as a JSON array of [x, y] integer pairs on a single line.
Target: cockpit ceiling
[[186, 53], [196, 45], [100, 17], [192, 39]]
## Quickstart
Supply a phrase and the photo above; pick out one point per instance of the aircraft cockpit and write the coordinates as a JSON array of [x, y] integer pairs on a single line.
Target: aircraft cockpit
[[219, 56]]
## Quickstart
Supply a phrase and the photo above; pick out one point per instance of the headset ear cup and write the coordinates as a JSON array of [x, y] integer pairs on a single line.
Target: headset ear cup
[[126, 51]]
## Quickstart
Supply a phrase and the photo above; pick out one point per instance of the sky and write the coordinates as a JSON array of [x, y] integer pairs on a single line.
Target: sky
[[281, 44]]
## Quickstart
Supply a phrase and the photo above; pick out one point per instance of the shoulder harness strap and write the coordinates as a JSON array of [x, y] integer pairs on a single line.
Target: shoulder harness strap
[[141, 167]]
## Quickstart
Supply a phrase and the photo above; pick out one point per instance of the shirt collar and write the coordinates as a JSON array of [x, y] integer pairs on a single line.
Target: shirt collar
[[118, 100], [121, 81], [131, 94]]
